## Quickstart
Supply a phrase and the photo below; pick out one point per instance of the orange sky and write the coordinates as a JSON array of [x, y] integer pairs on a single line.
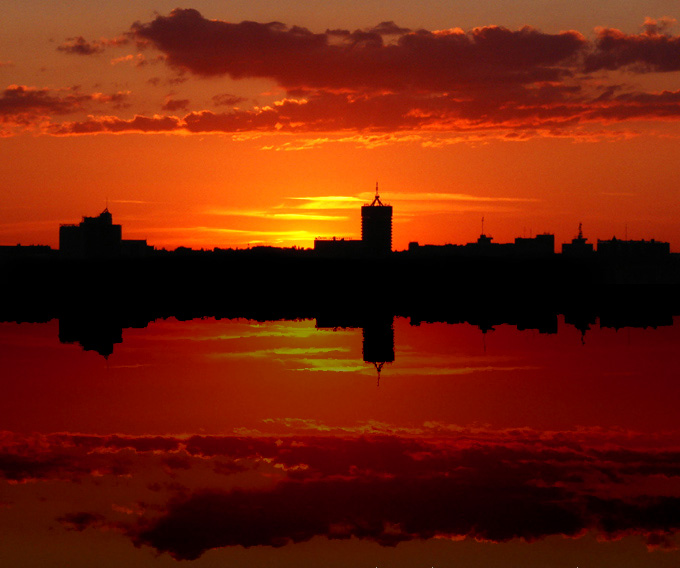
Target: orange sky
[[214, 127]]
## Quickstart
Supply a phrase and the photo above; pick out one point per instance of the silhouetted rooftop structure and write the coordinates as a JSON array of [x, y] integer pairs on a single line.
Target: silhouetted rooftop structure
[[630, 249], [26, 251], [579, 247], [98, 237]]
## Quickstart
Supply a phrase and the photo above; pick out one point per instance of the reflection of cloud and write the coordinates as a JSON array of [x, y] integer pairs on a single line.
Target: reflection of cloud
[[302, 329], [366, 482], [412, 363], [280, 351], [334, 365], [443, 371]]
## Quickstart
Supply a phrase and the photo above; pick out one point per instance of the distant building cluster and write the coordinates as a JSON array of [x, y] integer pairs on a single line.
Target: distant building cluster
[[98, 237], [540, 246]]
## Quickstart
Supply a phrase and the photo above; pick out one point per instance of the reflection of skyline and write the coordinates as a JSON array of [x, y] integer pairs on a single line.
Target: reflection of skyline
[[96, 332]]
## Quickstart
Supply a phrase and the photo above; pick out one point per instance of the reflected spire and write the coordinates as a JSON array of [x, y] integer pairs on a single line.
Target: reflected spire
[[378, 368]]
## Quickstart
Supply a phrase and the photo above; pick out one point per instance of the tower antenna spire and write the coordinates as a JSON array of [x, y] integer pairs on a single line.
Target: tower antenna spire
[[376, 199]]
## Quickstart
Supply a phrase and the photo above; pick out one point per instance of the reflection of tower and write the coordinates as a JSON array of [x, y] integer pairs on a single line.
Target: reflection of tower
[[95, 332], [378, 342], [376, 227]]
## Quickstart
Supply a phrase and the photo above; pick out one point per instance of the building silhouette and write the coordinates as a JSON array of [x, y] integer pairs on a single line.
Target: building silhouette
[[541, 246], [376, 234], [631, 249], [98, 237], [579, 247], [376, 227]]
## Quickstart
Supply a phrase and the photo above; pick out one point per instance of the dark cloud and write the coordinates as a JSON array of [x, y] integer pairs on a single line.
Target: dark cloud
[[381, 80], [19, 102], [80, 46], [649, 51], [137, 443], [540, 109], [296, 57], [394, 490], [28, 106], [115, 125], [175, 104], [389, 28], [81, 521], [17, 467], [226, 99], [387, 511]]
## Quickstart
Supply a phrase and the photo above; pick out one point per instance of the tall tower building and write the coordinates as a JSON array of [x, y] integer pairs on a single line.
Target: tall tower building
[[376, 227]]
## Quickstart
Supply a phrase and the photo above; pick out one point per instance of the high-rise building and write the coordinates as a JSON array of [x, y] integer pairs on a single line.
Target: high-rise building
[[94, 237], [376, 227], [98, 237]]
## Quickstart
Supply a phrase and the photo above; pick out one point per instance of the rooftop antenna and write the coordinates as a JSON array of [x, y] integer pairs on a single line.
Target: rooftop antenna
[[376, 199], [580, 231], [482, 225]]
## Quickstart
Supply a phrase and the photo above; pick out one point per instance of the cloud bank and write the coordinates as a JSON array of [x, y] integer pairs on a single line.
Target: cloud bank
[[487, 81]]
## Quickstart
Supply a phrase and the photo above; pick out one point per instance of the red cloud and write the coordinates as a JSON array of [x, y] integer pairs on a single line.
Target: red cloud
[[384, 80], [227, 99], [28, 106], [175, 104], [296, 57], [540, 109], [19, 103], [114, 124], [651, 50], [80, 46]]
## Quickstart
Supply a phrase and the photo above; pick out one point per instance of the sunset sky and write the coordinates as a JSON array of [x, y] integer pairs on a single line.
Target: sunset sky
[[239, 123]]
